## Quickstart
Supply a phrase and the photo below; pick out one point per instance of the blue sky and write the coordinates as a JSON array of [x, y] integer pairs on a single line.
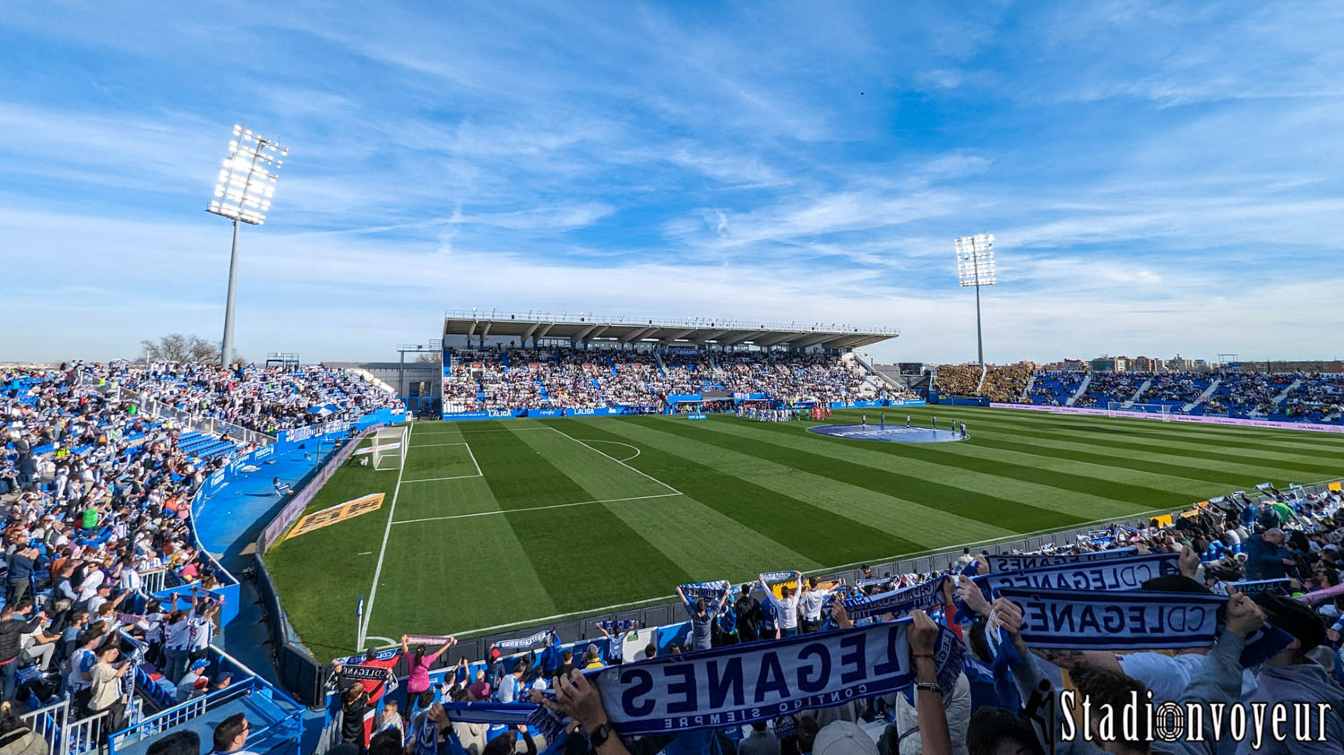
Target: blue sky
[[1161, 177]]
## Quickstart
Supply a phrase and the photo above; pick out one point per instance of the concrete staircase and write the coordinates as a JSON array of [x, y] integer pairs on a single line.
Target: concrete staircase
[[1026, 392], [1203, 396], [1137, 394], [1284, 394], [1082, 388]]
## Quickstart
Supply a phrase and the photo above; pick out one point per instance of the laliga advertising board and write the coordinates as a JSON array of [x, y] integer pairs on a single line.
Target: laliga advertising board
[[743, 683]]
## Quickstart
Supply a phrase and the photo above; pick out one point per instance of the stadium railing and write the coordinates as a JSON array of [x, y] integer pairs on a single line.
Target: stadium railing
[[210, 425], [280, 721]]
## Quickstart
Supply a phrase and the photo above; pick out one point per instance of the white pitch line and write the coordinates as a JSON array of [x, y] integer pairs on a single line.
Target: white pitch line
[[619, 443], [387, 531], [435, 445], [537, 508], [473, 459], [618, 461], [440, 479]]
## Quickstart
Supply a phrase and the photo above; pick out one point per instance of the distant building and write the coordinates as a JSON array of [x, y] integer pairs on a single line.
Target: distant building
[[1179, 363], [1102, 364], [1147, 364]]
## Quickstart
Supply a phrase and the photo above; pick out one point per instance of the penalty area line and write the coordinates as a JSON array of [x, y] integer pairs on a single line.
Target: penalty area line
[[537, 508]]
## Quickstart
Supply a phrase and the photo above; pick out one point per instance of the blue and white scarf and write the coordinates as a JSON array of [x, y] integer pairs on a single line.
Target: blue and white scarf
[[1252, 588], [618, 626], [738, 684], [1006, 562], [1112, 575], [921, 596], [711, 592], [524, 643], [1086, 619]]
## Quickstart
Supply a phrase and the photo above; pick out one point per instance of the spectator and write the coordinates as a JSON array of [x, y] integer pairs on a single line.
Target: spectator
[[230, 736], [761, 741]]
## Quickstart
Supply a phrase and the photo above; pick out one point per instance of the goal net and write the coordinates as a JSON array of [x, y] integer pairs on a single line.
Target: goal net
[[389, 448], [1125, 408]]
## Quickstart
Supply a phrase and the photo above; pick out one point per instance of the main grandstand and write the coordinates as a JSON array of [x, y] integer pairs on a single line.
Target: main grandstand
[[536, 365]]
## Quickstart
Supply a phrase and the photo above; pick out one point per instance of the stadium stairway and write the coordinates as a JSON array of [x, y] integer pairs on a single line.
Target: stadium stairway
[[204, 446], [1283, 395], [885, 379], [1026, 392], [1201, 398], [1138, 394], [1082, 389]]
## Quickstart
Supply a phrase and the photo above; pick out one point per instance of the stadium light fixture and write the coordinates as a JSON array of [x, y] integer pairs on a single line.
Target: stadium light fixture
[[975, 267], [243, 192]]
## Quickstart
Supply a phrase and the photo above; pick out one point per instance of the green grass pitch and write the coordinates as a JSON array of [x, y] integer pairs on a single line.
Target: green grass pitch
[[499, 524]]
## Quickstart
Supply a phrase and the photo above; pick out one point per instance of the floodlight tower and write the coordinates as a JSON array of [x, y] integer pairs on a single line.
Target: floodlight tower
[[243, 193], [975, 267]]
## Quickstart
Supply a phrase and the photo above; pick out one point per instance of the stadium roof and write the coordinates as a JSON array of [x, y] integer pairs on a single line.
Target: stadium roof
[[696, 331]]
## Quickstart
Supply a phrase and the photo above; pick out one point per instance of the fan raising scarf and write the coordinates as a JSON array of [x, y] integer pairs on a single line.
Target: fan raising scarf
[[1086, 619], [1012, 562], [921, 596], [711, 592], [524, 643], [738, 684], [1106, 576]]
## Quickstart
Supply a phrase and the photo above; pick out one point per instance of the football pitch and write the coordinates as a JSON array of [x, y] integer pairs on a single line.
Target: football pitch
[[493, 525]]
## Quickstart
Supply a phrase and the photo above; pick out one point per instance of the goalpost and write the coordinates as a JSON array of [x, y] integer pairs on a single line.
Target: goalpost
[[1124, 408], [389, 448]]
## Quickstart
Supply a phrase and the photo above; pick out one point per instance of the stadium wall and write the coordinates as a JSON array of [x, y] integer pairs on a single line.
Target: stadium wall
[[1199, 420]]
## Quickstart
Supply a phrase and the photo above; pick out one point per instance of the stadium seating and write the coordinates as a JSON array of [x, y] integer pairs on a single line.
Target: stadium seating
[[1283, 397], [96, 493], [504, 379]]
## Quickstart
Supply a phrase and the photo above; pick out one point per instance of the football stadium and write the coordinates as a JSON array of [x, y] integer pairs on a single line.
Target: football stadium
[[671, 379]]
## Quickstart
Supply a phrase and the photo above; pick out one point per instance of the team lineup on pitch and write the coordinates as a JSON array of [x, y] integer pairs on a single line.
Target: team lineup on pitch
[[553, 518]]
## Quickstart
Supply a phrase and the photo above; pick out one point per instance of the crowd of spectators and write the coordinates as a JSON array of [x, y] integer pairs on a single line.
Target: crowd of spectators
[[1294, 537], [1107, 387], [1007, 383], [958, 379], [501, 379], [264, 399], [95, 496]]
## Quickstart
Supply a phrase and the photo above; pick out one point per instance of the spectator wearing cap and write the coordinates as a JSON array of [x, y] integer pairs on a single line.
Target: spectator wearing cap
[[186, 687]]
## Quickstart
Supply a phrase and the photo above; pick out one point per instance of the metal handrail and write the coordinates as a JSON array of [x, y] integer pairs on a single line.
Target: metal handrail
[[201, 423]]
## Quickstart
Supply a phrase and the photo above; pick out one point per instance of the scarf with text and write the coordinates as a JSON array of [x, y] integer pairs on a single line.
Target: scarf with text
[[1006, 562], [1117, 574], [923, 596]]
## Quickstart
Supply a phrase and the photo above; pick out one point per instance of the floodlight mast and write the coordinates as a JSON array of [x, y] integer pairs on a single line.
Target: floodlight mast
[[243, 193], [975, 267]]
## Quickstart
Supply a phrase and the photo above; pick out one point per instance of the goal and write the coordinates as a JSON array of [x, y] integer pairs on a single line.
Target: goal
[[389, 447], [1124, 408]]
